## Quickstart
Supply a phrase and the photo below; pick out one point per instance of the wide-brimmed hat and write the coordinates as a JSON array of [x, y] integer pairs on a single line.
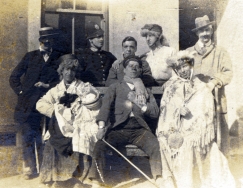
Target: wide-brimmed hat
[[47, 32], [93, 30], [202, 22], [153, 29]]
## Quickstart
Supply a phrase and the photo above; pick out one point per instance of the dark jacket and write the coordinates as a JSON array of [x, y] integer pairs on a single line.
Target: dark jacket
[[118, 93], [117, 75], [95, 66], [34, 69]]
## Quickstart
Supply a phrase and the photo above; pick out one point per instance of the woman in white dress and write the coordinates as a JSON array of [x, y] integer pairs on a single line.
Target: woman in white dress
[[72, 106], [186, 131]]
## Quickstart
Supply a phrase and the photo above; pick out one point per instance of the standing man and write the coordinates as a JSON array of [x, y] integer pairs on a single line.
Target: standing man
[[116, 73], [158, 54], [212, 66], [95, 63], [38, 69], [130, 126]]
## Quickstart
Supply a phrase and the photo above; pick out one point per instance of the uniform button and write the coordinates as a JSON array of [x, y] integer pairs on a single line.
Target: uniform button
[[103, 70], [103, 74], [103, 78], [102, 62], [102, 66]]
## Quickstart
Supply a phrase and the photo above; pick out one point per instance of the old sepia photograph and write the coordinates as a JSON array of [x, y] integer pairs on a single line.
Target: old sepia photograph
[[121, 94]]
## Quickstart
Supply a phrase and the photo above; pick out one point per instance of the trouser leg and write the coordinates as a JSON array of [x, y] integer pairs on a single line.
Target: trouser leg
[[29, 158], [224, 133], [145, 140], [114, 138], [31, 137]]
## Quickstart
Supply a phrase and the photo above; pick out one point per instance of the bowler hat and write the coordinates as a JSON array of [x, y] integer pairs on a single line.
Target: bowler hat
[[93, 30], [202, 22], [152, 29], [49, 32]]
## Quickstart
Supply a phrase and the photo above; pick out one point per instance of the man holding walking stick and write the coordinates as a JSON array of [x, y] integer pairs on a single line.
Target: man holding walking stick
[[213, 66], [133, 103]]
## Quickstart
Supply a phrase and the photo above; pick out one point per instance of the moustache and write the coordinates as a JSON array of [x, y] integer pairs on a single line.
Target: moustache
[[205, 36]]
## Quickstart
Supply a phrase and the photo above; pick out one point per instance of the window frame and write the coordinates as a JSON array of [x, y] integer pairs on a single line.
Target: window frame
[[103, 14]]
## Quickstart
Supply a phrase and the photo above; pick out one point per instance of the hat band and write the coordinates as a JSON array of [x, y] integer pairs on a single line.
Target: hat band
[[202, 23], [46, 33]]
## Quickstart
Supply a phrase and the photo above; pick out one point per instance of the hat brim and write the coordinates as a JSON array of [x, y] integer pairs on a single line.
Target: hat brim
[[96, 34], [210, 23], [95, 104], [49, 35]]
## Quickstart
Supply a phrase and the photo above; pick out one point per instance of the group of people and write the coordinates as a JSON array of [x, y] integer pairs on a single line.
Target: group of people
[[182, 151]]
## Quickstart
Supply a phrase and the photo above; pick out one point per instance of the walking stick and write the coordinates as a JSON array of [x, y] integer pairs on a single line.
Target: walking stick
[[218, 128], [150, 180]]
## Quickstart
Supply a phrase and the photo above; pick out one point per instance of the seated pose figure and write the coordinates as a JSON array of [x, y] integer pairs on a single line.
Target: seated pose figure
[[130, 126], [186, 130], [72, 106]]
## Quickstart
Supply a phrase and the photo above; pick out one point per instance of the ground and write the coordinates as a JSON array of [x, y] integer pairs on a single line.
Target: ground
[[125, 176]]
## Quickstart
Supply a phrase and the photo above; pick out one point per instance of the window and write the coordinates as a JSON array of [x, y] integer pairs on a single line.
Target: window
[[70, 17]]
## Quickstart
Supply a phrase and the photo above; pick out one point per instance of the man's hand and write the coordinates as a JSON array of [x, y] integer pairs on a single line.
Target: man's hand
[[131, 96], [101, 131], [184, 111], [210, 86], [116, 64], [41, 84]]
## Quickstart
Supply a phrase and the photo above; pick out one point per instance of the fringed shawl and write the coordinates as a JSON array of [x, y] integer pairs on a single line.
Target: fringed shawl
[[197, 129]]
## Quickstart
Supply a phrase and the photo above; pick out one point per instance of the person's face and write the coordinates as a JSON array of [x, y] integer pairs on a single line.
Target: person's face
[[68, 74], [205, 34], [184, 71], [97, 42], [46, 43], [132, 70], [129, 48], [151, 40]]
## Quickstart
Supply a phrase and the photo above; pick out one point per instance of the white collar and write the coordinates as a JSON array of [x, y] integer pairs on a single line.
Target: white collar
[[93, 49], [131, 86], [42, 50], [201, 45]]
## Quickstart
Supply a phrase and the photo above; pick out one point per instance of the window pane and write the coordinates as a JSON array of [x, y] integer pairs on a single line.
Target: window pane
[[80, 24], [52, 20], [67, 4], [89, 5], [52, 5]]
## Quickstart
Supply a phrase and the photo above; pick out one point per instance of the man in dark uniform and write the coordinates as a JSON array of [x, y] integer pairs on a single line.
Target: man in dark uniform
[[95, 63], [38, 69]]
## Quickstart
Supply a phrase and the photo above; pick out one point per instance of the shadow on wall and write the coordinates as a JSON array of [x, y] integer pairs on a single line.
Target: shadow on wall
[[236, 133]]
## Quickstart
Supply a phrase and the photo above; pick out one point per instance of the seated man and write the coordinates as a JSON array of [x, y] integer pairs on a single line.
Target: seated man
[[186, 130], [116, 73], [130, 126]]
